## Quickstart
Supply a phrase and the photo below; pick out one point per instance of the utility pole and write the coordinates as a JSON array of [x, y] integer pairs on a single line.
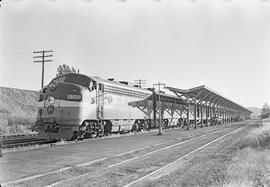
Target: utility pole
[[160, 113], [42, 59], [140, 83]]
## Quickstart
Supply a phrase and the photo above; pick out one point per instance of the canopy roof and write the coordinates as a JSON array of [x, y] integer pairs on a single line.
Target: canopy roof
[[168, 98], [205, 96]]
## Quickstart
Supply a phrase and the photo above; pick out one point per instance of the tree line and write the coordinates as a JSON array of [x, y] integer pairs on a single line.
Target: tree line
[[265, 112]]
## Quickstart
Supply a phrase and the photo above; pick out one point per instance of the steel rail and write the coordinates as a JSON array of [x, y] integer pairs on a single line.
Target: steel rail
[[182, 157]]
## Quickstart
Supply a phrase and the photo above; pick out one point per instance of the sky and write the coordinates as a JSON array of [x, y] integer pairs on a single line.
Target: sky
[[223, 44]]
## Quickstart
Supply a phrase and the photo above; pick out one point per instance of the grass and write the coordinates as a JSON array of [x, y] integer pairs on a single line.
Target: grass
[[249, 167], [258, 139], [245, 161], [17, 110], [251, 164]]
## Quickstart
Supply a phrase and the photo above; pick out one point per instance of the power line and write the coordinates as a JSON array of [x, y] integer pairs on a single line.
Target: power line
[[16, 52], [42, 60]]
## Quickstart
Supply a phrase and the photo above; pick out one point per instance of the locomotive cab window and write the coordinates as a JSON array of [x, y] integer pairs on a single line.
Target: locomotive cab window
[[74, 78], [94, 85], [91, 86]]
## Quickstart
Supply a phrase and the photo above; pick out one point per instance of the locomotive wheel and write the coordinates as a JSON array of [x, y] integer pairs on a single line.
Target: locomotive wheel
[[140, 128], [75, 135], [180, 122], [94, 129], [87, 134], [135, 127], [100, 128], [88, 129], [143, 125], [82, 130], [107, 127], [148, 123]]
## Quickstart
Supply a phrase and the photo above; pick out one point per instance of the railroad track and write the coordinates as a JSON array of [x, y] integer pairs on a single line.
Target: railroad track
[[104, 165], [149, 175], [23, 141]]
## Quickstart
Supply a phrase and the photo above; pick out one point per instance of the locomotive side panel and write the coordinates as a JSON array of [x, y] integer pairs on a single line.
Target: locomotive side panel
[[116, 108]]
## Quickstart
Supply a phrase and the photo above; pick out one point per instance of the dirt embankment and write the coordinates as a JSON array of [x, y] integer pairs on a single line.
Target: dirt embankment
[[17, 109]]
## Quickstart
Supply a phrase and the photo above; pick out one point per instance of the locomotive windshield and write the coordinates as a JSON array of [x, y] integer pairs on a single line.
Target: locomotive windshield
[[74, 78]]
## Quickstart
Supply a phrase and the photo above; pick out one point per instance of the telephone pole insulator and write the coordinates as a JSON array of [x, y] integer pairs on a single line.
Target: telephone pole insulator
[[42, 58], [140, 83]]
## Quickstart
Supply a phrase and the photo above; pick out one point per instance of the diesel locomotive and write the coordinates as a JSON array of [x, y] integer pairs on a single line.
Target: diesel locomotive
[[78, 106]]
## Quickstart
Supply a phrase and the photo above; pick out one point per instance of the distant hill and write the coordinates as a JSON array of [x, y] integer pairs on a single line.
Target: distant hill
[[17, 109], [255, 111]]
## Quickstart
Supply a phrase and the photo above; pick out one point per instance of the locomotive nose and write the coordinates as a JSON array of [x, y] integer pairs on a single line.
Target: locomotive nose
[[61, 104], [63, 92]]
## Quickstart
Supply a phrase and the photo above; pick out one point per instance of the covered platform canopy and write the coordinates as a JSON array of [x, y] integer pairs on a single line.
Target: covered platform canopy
[[206, 104], [198, 105], [203, 95], [165, 99], [159, 102]]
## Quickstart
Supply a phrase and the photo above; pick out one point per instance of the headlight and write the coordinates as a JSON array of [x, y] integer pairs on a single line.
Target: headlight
[[52, 86], [51, 100]]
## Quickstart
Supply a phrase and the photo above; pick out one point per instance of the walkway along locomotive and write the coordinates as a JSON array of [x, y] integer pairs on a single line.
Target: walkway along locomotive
[[78, 106]]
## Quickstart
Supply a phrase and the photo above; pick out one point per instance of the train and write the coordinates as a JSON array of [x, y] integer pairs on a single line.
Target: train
[[76, 106]]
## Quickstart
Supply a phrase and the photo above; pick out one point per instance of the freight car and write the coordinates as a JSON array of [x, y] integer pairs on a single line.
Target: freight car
[[79, 106]]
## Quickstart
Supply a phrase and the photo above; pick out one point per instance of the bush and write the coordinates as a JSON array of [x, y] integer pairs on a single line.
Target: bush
[[259, 138], [249, 167]]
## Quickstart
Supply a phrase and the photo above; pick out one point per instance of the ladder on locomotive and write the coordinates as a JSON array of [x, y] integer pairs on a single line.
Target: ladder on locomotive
[[100, 103]]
